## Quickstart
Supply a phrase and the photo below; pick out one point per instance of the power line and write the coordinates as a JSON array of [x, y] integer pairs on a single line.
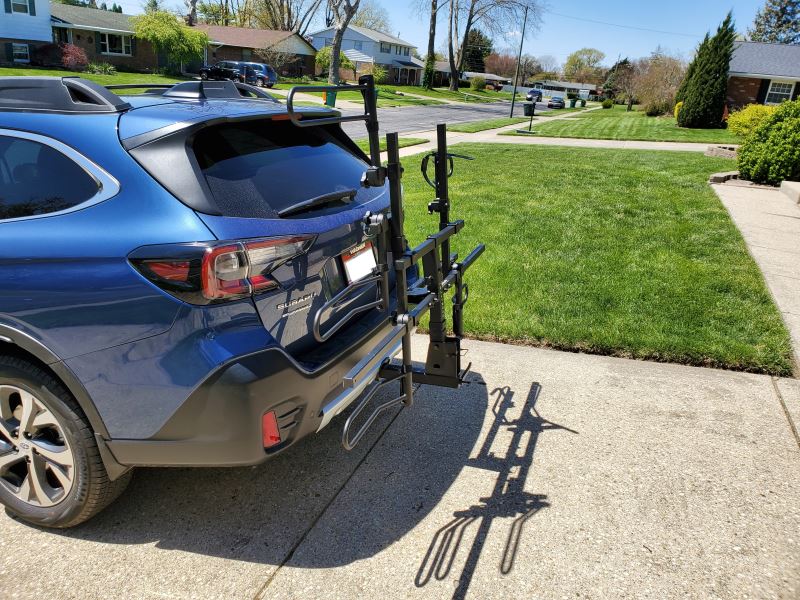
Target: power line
[[690, 35]]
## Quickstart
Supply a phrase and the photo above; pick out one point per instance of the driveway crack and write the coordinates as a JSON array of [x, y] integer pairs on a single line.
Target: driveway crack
[[785, 411]]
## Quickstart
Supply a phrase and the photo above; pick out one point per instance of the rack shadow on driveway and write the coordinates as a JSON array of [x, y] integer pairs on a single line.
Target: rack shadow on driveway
[[508, 498]]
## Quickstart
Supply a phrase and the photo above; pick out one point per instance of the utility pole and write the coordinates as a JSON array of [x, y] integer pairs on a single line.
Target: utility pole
[[519, 59]]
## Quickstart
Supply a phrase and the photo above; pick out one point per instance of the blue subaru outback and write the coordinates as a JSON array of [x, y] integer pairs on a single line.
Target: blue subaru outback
[[187, 279]]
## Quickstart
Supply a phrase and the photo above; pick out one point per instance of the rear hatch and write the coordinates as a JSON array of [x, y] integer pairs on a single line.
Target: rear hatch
[[264, 177]]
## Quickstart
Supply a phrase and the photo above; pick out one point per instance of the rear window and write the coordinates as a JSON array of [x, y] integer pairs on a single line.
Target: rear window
[[257, 169]]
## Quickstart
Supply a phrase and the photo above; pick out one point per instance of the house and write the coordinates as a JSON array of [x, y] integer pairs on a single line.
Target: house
[[240, 43], [24, 25], [565, 87], [441, 76], [376, 47], [762, 73], [29, 29]]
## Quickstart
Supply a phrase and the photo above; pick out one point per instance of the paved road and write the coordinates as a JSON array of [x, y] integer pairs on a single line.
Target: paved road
[[550, 475], [421, 118]]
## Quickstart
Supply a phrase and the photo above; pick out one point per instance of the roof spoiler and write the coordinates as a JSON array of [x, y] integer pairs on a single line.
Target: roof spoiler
[[366, 85]]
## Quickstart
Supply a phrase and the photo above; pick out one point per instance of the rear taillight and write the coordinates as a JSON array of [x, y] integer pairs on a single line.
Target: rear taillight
[[204, 273]]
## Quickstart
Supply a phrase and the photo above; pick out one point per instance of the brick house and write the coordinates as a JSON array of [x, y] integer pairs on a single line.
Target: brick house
[[762, 73], [240, 43], [29, 28]]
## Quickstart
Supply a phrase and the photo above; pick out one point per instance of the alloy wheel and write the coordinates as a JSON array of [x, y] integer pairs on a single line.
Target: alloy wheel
[[36, 463]]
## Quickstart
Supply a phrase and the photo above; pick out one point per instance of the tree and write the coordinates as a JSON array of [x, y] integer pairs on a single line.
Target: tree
[[323, 61], [656, 79], [430, 58], [286, 15], [191, 14], [169, 35], [372, 16], [777, 22], [275, 58], [680, 95], [152, 6], [479, 46], [611, 85], [504, 64], [494, 16], [583, 65], [341, 12], [548, 63], [704, 102]]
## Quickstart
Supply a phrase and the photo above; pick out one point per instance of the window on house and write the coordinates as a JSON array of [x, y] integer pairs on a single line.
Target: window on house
[[21, 53], [406, 51], [115, 44], [62, 35], [398, 49], [386, 48], [19, 6], [779, 91], [358, 46]]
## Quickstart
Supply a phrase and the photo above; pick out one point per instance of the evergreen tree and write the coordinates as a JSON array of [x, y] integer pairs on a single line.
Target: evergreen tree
[[704, 93], [680, 95], [778, 22], [478, 47]]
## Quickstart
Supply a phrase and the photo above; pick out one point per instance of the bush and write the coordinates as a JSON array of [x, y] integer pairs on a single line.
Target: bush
[[380, 74], [572, 96], [677, 109], [583, 102], [49, 54], [73, 57], [744, 121], [608, 103], [101, 69], [771, 153], [655, 108], [477, 83]]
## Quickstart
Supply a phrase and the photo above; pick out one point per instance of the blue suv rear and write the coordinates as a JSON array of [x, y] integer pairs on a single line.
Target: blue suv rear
[[164, 259]]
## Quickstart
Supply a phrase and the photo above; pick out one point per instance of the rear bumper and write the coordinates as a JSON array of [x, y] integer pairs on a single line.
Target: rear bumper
[[220, 422]]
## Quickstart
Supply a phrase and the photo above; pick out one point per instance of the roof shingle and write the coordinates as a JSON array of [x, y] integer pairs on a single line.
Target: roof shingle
[[758, 58]]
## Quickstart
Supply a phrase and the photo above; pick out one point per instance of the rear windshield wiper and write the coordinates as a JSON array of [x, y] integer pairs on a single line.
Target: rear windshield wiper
[[306, 205]]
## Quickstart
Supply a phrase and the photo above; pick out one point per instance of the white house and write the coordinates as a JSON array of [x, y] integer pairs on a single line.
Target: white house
[[23, 22], [369, 45]]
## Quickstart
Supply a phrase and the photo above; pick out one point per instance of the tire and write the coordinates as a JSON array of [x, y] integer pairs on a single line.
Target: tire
[[57, 443], [259, 82], [204, 76]]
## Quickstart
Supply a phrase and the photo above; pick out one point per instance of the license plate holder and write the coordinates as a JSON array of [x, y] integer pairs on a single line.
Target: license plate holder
[[359, 262]]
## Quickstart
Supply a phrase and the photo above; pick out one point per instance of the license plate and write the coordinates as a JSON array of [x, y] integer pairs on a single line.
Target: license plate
[[359, 262]]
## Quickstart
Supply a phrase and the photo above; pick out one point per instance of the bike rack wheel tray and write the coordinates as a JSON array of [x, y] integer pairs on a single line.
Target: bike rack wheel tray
[[442, 273]]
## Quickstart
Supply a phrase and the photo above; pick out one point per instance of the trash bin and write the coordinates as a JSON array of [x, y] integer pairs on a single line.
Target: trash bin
[[529, 108], [329, 98]]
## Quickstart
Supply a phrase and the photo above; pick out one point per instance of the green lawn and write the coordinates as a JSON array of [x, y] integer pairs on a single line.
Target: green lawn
[[476, 126], [560, 111], [386, 97], [403, 142], [620, 252], [618, 124], [441, 94], [119, 78]]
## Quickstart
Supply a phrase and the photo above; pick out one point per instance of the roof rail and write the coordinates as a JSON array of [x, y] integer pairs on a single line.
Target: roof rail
[[58, 94], [232, 90]]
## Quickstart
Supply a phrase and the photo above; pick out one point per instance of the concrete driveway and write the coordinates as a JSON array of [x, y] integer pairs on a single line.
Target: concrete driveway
[[550, 475]]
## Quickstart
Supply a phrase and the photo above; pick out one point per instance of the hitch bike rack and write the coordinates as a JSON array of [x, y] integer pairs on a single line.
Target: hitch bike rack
[[442, 272]]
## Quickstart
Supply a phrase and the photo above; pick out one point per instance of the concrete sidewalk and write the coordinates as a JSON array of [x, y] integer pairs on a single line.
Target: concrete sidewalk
[[550, 475], [770, 224]]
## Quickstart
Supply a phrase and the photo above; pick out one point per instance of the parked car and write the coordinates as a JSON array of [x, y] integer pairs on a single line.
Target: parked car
[[556, 102], [163, 258], [226, 69], [534, 96], [258, 74]]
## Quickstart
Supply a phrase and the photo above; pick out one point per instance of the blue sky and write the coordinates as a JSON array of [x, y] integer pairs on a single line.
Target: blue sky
[[676, 25]]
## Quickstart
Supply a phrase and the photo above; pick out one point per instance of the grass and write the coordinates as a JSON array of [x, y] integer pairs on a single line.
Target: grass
[[386, 97], [618, 124], [403, 142], [118, 78], [476, 126], [442, 94], [620, 252], [560, 111]]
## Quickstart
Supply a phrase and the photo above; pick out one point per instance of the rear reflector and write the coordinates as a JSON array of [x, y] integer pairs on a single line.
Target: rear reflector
[[269, 430]]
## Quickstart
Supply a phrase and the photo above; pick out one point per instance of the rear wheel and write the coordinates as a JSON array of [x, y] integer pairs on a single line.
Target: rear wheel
[[260, 82], [204, 76], [51, 473]]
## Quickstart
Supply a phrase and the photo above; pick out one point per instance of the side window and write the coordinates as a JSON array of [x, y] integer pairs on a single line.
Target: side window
[[36, 179]]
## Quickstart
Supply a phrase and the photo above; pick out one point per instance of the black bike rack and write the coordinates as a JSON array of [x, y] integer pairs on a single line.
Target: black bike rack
[[442, 272]]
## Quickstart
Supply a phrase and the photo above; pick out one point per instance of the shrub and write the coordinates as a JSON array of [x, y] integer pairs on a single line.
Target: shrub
[[655, 108], [608, 103], [771, 153], [73, 57], [744, 121], [380, 74], [583, 102], [572, 96], [477, 83], [101, 69], [49, 54], [677, 109]]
